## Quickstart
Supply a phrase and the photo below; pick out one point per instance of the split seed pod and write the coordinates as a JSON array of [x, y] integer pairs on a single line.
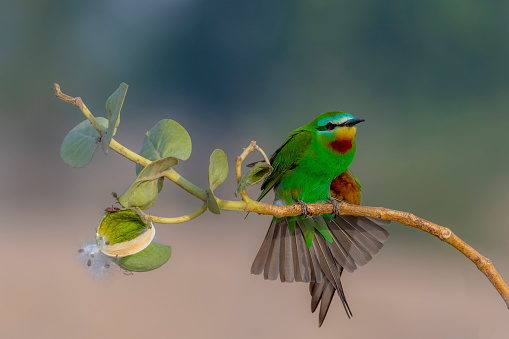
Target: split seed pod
[[123, 233]]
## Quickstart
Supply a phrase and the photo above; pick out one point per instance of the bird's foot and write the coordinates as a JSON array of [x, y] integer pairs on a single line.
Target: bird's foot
[[335, 205], [305, 209]]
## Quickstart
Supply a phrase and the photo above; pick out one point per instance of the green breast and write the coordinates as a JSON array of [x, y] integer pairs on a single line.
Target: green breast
[[310, 180]]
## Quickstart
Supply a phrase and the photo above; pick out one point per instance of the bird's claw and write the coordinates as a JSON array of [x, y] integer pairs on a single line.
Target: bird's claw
[[305, 209], [335, 205]]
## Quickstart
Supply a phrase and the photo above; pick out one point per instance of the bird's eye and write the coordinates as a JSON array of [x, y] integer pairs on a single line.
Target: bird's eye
[[330, 126]]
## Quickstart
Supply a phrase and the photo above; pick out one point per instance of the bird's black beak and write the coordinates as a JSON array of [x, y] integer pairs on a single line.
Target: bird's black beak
[[352, 122]]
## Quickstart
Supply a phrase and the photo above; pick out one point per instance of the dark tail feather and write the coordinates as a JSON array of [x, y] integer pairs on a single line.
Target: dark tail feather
[[354, 242], [284, 252], [355, 235], [263, 253], [332, 281], [324, 292]]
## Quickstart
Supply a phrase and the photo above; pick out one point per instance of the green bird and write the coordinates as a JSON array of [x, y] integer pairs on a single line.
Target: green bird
[[316, 248]]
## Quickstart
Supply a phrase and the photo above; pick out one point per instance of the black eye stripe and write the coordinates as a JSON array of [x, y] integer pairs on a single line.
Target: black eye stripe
[[332, 125], [329, 127]]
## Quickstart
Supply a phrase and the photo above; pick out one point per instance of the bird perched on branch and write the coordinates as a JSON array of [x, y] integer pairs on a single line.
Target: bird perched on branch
[[312, 167]]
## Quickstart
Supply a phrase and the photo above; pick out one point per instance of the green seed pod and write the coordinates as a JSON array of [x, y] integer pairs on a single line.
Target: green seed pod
[[123, 233]]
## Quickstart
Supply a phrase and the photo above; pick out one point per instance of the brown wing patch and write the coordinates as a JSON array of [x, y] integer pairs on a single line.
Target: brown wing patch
[[346, 187]]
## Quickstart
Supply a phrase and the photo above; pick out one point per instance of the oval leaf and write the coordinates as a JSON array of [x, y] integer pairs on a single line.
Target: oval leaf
[[113, 107], [212, 202], [166, 139], [81, 142], [143, 192], [218, 169], [257, 173], [155, 169], [152, 257]]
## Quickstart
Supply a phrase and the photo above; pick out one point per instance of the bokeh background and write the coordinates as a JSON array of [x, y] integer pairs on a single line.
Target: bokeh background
[[429, 77]]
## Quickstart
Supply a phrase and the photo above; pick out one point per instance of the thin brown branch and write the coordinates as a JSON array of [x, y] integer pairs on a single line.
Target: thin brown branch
[[408, 219], [238, 161], [79, 103], [446, 235], [259, 149], [238, 165]]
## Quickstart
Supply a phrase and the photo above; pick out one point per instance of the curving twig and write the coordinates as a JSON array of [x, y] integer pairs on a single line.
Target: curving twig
[[178, 220], [79, 103], [408, 219], [247, 205]]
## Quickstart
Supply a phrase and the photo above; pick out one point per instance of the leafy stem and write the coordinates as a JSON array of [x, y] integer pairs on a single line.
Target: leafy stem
[[178, 220], [127, 153], [248, 205]]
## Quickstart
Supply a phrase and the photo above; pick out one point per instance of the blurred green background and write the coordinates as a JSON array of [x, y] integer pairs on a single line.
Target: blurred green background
[[429, 77]]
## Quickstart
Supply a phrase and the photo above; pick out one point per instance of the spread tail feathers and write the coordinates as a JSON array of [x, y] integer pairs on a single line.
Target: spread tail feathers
[[285, 253]]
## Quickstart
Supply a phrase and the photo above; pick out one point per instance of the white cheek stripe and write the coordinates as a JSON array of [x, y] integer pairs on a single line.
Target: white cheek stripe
[[337, 121]]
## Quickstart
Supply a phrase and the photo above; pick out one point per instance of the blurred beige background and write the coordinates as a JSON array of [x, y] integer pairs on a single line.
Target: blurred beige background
[[430, 78]]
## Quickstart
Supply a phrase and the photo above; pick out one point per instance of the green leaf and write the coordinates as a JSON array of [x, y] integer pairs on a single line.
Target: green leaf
[[81, 142], [160, 183], [212, 202], [257, 173], [113, 107], [166, 139], [218, 169], [152, 257], [143, 192]]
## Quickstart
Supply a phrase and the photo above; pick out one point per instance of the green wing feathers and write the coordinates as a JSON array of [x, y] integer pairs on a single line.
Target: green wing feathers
[[286, 158]]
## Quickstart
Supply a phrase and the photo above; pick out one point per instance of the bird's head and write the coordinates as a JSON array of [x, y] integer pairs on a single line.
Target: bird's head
[[336, 130]]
